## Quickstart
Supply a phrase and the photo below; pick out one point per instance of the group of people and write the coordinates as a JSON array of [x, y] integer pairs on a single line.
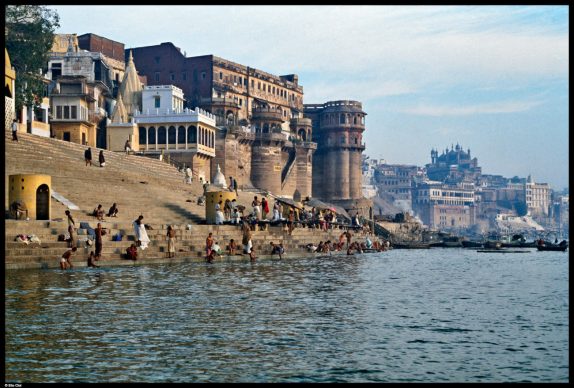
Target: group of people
[[345, 241], [88, 157], [228, 211], [99, 212]]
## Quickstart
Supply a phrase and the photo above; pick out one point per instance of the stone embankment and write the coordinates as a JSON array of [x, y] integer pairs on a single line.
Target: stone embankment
[[190, 244], [139, 185]]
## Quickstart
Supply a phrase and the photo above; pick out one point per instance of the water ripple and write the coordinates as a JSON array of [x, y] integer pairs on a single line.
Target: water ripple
[[403, 316]]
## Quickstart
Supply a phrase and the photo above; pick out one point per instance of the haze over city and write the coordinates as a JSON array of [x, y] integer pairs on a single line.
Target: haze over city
[[490, 78]]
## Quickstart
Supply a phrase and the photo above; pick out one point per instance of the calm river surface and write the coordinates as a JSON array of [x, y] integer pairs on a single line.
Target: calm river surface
[[438, 315]]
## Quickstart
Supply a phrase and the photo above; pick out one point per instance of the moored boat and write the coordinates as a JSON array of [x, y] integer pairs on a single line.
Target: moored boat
[[546, 246], [411, 245]]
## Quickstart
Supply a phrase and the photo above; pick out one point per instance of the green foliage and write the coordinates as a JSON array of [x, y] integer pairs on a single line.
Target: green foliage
[[29, 35]]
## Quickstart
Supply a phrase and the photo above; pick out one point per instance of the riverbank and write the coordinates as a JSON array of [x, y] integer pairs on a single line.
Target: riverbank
[[190, 244]]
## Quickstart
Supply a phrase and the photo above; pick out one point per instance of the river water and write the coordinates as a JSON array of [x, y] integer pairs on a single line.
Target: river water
[[438, 315]]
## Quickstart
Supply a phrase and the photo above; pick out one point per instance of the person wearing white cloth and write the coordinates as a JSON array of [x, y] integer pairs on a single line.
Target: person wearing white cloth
[[141, 234], [219, 214]]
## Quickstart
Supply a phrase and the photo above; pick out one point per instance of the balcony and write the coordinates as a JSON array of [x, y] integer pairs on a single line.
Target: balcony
[[267, 114]]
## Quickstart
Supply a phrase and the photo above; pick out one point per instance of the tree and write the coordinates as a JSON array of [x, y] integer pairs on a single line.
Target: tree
[[29, 36]]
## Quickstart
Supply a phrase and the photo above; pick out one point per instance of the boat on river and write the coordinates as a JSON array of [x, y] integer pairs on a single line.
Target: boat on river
[[546, 246], [410, 245]]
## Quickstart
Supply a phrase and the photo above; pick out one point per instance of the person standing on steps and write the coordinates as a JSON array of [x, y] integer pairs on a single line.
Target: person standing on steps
[[71, 228], [88, 156], [170, 241], [101, 159], [128, 147], [141, 236], [15, 130], [99, 242], [235, 186]]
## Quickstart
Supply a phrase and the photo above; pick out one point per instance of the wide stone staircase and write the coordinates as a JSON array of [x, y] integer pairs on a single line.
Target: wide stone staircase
[[138, 185]]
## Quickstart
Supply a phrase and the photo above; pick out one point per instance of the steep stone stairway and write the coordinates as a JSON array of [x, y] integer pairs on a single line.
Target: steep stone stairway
[[162, 199]]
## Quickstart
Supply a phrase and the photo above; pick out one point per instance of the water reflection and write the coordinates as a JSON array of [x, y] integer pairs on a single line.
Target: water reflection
[[442, 315]]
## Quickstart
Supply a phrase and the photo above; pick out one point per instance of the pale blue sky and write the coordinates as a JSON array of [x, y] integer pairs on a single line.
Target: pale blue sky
[[491, 78]]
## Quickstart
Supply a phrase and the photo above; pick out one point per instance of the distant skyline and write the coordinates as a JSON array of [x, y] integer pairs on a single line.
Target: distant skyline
[[490, 78]]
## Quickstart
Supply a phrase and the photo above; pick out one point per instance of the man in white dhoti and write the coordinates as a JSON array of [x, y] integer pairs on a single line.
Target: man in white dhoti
[[218, 214], [140, 233]]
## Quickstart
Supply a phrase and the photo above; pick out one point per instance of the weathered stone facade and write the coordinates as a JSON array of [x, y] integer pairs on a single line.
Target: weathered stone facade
[[338, 129]]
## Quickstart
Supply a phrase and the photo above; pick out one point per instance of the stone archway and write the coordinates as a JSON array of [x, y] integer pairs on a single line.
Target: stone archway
[[43, 202]]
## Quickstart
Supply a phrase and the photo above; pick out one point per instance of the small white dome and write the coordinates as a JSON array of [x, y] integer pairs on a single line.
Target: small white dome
[[219, 179]]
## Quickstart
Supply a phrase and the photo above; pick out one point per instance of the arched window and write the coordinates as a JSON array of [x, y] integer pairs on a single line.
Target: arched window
[[212, 139], [151, 135], [171, 133], [192, 134], [265, 128], [342, 119], [161, 135], [181, 135], [303, 134], [143, 135], [354, 119]]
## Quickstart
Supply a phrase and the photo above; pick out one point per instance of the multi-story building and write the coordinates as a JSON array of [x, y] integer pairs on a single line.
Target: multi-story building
[[165, 126], [227, 89], [262, 139], [537, 197], [396, 183], [80, 80], [111, 51], [75, 113], [444, 206]]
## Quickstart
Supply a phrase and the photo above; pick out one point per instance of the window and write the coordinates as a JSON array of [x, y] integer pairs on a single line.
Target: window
[[240, 102], [252, 84], [66, 136], [157, 101], [220, 75], [157, 60], [157, 76], [74, 114], [59, 112], [259, 85], [172, 76], [203, 75], [66, 112]]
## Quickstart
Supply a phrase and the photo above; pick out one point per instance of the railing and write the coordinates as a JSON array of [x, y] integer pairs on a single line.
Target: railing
[[288, 168]]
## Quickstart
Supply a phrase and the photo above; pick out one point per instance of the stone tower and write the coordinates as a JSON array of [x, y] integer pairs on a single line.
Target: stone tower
[[266, 164], [338, 128]]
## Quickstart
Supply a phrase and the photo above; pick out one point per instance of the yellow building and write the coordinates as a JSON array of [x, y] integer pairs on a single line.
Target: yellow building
[[9, 92], [34, 191]]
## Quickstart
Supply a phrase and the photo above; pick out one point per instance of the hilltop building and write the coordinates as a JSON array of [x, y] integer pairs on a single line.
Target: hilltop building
[[453, 166]]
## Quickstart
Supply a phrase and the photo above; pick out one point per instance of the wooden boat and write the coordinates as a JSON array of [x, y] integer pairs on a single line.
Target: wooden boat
[[410, 245], [472, 244], [500, 251], [493, 244], [519, 244], [553, 247]]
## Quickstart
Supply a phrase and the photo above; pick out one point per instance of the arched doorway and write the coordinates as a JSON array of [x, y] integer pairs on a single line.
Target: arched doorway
[[43, 202]]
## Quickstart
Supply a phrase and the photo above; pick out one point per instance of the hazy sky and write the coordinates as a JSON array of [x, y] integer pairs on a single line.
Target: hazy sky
[[490, 78]]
